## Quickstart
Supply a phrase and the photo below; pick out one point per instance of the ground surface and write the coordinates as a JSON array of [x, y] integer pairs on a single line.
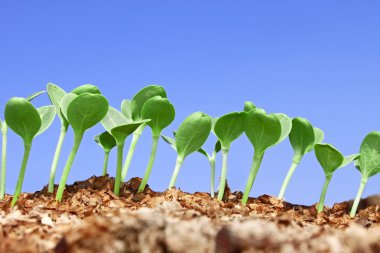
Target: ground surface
[[92, 219]]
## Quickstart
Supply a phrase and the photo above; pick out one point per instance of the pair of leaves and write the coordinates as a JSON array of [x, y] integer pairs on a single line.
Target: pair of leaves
[[229, 127], [369, 161]]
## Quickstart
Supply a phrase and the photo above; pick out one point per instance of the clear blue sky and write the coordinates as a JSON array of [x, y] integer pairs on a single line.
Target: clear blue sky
[[316, 59]]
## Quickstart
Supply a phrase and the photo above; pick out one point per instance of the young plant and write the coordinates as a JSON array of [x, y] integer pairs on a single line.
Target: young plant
[[368, 164], [133, 109], [228, 128], [264, 131], [330, 159], [107, 142], [82, 112], [191, 135], [28, 122], [302, 137], [120, 128], [161, 114]]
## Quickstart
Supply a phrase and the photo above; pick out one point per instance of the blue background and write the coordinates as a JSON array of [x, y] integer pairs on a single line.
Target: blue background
[[316, 59]]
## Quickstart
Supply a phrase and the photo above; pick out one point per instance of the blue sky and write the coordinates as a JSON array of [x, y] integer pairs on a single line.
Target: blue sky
[[315, 59]]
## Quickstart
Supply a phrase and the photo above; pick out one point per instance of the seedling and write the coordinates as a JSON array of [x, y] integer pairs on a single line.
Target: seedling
[[120, 128], [133, 109], [107, 142], [302, 137], [264, 131], [228, 128], [368, 164], [28, 122], [191, 135], [82, 112], [161, 114], [330, 159]]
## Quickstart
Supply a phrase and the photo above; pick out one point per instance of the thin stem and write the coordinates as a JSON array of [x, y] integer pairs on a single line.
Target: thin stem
[[120, 148], [212, 182], [57, 154], [257, 159], [178, 165], [27, 148], [150, 163], [131, 151], [223, 178], [3, 161], [358, 196], [321, 203], [62, 184], [105, 163], [295, 162]]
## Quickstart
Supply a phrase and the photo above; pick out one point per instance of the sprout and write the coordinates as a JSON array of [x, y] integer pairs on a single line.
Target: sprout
[[107, 142], [28, 122], [228, 128], [133, 110], [330, 159], [161, 113], [368, 164], [212, 158], [302, 137], [120, 128], [264, 131], [82, 112]]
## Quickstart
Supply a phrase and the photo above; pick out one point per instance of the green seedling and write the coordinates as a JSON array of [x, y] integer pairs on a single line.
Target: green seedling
[[120, 128], [28, 122], [302, 137], [82, 112], [191, 135], [133, 109], [330, 159], [264, 131], [4, 132], [161, 114], [228, 128], [107, 142], [368, 164]]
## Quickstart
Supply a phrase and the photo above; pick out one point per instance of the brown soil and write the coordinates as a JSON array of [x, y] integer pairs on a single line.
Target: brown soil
[[92, 219]]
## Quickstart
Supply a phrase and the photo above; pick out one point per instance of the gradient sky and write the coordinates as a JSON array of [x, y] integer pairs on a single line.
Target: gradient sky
[[315, 59]]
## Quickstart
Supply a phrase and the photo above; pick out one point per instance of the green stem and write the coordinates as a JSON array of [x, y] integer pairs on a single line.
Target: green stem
[[57, 154], [178, 165], [131, 151], [62, 184], [223, 178], [120, 148], [321, 203], [105, 163], [150, 164], [358, 196], [3, 161], [257, 159], [296, 160], [212, 182], [27, 148]]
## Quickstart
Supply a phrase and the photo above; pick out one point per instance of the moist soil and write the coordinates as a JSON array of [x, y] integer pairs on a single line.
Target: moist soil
[[92, 219]]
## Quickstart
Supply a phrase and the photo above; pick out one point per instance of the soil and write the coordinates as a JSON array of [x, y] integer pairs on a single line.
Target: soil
[[92, 219]]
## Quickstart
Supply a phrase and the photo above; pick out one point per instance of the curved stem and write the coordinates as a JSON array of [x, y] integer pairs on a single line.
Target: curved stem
[[69, 164], [57, 154], [120, 149], [257, 159], [150, 163], [212, 182], [27, 148], [293, 167], [321, 202], [178, 165], [3, 161], [105, 163], [358, 196], [223, 178]]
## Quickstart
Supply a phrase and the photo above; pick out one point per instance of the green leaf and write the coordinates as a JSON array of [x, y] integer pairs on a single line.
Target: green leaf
[[328, 157], [302, 136], [369, 159], [319, 135], [85, 111], [34, 95], [87, 88], [122, 132], [349, 159], [218, 147], [65, 102], [248, 105], [192, 133], [47, 114], [23, 118], [56, 94], [106, 141], [286, 126], [160, 112], [263, 130], [169, 141], [229, 127], [142, 96], [126, 109]]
